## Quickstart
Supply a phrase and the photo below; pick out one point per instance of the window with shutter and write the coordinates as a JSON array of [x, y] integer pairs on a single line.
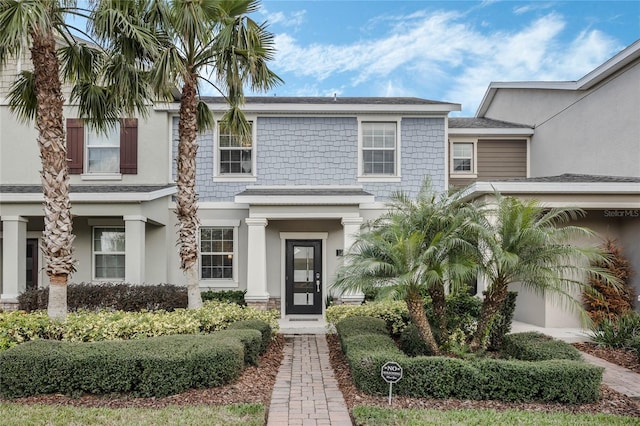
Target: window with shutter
[[111, 152]]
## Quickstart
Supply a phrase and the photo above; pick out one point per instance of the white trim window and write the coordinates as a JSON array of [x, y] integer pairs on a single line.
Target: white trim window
[[103, 150], [218, 253], [236, 158], [379, 148], [463, 158], [108, 253]]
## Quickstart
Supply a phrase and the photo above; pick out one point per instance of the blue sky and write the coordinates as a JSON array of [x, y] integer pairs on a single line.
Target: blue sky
[[447, 51]]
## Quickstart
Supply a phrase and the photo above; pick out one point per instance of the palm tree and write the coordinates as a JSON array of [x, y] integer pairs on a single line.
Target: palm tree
[[206, 37], [420, 245], [525, 242], [101, 95]]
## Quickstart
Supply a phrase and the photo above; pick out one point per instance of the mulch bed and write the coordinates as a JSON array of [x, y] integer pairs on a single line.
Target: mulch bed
[[254, 386], [611, 401], [626, 358]]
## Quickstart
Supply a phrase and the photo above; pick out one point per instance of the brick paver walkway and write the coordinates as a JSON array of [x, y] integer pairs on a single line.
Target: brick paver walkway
[[616, 377], [306, 391]]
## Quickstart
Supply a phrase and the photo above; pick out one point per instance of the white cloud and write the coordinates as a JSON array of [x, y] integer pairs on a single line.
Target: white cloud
[[295, 19], [423, 54], [531, 7]]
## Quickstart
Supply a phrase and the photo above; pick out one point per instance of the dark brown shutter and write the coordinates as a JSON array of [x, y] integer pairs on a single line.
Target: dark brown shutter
[[75, 145], [129, 146]]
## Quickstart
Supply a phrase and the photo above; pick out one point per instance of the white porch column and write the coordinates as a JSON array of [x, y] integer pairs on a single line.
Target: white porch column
[[134, 249], [351, 231], [14, 258], [257, 294]]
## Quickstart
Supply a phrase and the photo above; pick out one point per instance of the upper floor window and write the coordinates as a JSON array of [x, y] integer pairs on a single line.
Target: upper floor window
[[379, 146], [462, 157], [91, 152], [103, 150], [108, 253], [236, 156]]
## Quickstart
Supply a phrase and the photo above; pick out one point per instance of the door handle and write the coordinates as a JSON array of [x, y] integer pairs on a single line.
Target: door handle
[[318, 282]]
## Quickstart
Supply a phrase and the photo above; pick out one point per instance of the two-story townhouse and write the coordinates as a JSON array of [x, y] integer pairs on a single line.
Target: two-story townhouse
[[583, 151], [119, 198], [278, 212]]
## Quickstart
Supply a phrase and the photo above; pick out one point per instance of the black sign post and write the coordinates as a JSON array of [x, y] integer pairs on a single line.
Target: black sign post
[[391, 372]]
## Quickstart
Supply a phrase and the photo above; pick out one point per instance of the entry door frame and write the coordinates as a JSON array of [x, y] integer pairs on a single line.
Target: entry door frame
[[284, 236]]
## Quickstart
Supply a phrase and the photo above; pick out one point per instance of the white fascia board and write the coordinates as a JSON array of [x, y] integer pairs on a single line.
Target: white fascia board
[[293, 108], [520, 131], [92, 197], [619, 61], [555, 188], [303, 200]]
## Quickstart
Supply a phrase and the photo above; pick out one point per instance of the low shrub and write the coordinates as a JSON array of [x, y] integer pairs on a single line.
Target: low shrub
[[564, 381], [561, 381], [231, 296], [262, 326], [152, 367], [359, 325], [411, 343], [617, 332], [251, 340], [83, 326], [534, 346], [369, 343], [394, 313], [110, 296]]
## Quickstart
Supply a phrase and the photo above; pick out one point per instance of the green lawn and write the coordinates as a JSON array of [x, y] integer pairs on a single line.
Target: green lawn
[[240, 415], [374, 416]]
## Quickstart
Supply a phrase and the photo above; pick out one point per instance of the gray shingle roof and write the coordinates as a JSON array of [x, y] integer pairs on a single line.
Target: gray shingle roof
[[482, 123], [576, 178], [328, 100], [85, 189]]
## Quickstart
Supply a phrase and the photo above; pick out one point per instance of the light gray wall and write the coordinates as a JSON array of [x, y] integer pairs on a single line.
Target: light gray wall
[[20, 157], [591, 132]]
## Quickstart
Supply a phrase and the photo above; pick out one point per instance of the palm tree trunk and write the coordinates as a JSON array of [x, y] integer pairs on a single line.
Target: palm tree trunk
[[415, 306], [58, 238], [186, 200], [436, 292], [491, 304]]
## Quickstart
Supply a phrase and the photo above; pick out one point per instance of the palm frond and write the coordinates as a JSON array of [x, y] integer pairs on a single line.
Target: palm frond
[[22, 97]]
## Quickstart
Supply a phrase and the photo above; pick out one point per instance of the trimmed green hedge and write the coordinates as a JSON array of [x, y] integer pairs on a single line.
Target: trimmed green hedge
[[411, 342], [262, 326], [561, 381], [564, 381], [153, 367], [358, 325], [232, 296], [110, 296], [251, 340], [535, 346]]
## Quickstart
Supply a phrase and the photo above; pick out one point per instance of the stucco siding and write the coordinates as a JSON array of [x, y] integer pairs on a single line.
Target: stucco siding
[[584, 132]]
